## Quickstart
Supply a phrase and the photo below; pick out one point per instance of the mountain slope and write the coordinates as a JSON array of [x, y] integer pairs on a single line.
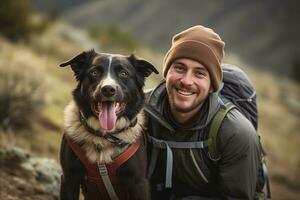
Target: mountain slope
[[264, 33]]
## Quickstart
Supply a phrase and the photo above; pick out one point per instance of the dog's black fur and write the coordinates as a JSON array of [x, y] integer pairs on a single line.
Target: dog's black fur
[[128, 74]]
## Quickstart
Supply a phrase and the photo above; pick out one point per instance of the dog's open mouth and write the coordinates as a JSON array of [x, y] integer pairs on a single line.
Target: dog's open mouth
[[107, 112]]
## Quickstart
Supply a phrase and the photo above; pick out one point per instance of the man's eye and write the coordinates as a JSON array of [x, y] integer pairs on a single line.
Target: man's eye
[[179, 69], [200, 74], [123, 74]]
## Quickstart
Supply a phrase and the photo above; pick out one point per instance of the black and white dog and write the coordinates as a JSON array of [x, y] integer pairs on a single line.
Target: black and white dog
[[103, 120]]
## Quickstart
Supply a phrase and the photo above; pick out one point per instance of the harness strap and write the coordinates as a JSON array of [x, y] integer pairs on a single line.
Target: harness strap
[[123, 157], [117, 161], [169, 145], [78, 152], [107, 183], [104, 170]]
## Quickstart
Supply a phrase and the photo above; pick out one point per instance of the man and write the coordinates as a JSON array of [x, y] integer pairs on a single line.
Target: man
[[180, 111]]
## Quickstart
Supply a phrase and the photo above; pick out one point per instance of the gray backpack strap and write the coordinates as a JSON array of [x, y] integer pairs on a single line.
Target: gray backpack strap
[[162, 144], [169, 145], [169, 167], [155, 150]]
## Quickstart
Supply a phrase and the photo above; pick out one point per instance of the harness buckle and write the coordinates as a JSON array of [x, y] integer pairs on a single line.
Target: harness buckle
[[161, 145], [102, 169]]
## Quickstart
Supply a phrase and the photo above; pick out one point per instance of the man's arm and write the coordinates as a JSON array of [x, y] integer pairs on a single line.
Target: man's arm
[[238, 167]]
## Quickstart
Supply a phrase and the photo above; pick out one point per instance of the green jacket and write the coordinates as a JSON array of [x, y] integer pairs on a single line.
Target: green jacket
[[233, 176]]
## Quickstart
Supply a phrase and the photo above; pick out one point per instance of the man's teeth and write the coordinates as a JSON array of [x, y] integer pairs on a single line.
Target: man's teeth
[[184, 92]]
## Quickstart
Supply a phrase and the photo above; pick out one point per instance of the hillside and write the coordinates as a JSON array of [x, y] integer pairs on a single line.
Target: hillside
[[278, 102], [263, 33]]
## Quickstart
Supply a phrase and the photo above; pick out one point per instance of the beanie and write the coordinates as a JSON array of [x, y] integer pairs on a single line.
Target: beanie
[[200, 44]]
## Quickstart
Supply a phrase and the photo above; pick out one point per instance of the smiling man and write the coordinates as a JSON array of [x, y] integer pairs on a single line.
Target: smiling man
[[180, 112], [188, 85]]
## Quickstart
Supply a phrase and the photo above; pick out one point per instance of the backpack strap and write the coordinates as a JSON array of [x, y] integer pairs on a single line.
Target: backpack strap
[[210, 143], [214, 129], [215, 155], [169, 145]]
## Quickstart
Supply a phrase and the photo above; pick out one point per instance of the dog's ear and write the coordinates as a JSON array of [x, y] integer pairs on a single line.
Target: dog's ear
[[142, 66], [79, 63]]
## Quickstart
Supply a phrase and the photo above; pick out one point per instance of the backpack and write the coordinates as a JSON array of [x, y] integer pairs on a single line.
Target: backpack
[[237, 91]]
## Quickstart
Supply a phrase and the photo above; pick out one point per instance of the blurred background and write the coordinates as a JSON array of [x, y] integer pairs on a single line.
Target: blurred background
[[262, 37]]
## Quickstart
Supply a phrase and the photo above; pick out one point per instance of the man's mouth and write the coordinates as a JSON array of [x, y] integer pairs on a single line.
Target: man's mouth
[[107, 112], [185, 92]]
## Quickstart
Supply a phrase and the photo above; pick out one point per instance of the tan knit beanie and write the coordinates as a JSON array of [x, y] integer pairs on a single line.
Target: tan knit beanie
[[200, 44]]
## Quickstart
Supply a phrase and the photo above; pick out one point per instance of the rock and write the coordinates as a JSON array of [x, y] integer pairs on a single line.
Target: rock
[[13, 155], [47, 172], [28, 177]]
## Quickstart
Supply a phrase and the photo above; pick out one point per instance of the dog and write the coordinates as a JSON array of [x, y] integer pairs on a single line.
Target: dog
[[104, 123]]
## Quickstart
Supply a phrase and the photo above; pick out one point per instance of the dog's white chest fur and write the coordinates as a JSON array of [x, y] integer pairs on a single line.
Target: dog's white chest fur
[[98, 149]]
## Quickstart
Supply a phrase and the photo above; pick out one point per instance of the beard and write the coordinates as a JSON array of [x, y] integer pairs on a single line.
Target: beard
[[184, 109]]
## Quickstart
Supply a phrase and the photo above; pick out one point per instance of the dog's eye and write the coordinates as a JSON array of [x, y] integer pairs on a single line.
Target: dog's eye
[[123, 74], [94, 73]]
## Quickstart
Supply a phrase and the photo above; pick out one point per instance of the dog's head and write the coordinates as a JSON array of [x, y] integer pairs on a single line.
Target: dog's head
[[109, 86]]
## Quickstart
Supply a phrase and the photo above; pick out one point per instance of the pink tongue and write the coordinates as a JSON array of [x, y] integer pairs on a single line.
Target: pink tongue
[[107, 116]]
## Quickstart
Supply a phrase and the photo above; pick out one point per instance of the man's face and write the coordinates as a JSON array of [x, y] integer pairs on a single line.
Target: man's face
[[188, 85]]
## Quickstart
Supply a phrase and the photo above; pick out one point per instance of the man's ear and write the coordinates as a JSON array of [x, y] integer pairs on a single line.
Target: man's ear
[[211, 89], [142, 66], [79, 62]]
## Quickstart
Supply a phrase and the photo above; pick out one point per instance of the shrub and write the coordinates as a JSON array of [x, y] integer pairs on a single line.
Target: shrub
[[17, 20], [113, 37], [21, 97]]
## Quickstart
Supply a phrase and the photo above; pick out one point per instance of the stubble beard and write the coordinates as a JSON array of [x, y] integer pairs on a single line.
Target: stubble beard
[[179, 109]]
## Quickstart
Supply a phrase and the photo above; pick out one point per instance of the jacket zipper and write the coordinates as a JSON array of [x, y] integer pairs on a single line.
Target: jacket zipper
[[197, 166]]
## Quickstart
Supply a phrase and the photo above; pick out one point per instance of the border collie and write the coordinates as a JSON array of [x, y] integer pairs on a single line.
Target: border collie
[[103, 120]]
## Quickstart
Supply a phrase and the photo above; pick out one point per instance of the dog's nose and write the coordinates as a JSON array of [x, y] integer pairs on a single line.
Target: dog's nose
[[108, 91]]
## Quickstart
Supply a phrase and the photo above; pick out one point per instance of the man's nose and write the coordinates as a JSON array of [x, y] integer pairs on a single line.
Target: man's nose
[[187, 79]]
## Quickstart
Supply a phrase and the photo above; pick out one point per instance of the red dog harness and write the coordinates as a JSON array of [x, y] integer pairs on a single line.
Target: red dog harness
[[95, 187]]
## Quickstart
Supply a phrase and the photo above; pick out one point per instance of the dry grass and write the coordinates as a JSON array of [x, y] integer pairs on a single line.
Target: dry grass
[[43, 138]]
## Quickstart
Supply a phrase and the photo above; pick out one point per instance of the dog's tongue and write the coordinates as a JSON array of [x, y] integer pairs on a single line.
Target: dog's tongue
[[107, 116]]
